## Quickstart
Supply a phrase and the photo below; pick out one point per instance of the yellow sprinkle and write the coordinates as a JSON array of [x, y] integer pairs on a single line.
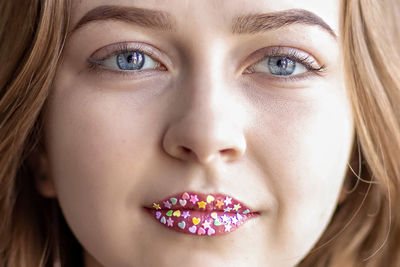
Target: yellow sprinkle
[[177, 213], [195, 220], [202, 204], [210, 198], [236, 207], [156, 206]]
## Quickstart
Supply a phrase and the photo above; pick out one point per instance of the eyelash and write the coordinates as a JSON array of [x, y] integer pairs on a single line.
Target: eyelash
[[95, 65], [294, 54]]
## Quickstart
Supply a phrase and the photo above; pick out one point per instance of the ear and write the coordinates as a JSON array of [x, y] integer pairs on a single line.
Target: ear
[[40, 164]]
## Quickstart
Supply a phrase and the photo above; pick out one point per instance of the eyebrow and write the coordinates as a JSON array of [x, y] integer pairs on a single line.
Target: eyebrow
[[163, 21], [256, 23], [147, 18]]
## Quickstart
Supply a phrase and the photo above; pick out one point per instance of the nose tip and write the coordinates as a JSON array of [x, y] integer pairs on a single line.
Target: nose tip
[[190, 141]]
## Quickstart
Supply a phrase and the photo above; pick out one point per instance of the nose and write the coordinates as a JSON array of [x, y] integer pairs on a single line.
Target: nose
[[207, 125]]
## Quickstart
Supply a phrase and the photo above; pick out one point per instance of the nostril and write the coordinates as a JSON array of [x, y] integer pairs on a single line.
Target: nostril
[[187, 153], [186, 150], [229, 153]]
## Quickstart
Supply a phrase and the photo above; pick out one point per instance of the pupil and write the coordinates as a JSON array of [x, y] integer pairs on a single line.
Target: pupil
[[129, 58], [282, 63]]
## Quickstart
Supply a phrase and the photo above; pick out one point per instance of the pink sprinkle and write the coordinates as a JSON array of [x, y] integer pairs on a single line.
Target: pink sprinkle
[[193, 199], [185, 214], [170, 222]]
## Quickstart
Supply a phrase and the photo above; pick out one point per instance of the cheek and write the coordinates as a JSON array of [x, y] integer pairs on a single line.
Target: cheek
[[305, 148], [100, 145]]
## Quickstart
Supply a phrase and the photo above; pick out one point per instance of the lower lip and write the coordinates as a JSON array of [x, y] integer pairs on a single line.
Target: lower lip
[[210, 222]]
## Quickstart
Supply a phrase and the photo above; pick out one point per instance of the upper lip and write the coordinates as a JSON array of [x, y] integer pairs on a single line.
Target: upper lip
[[195, 201]]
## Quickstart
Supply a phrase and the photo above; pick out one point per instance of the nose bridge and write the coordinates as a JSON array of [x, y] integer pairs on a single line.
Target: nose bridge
[[205, 86], [205, 128]]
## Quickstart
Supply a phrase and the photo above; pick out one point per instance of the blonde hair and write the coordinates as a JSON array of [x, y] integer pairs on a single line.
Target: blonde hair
[[365, 228]]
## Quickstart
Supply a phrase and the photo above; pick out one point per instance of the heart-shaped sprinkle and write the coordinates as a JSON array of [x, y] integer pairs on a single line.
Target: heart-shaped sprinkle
[[214, 215], [173, 200], [217, 222], [185, 196], [201, 231], [246, 211], [158, 215], [210, 231], [163, 220], [169, 213], [193, 229], [195, 221], [182, 225], [182, 202], [177, 213], [210, 198]]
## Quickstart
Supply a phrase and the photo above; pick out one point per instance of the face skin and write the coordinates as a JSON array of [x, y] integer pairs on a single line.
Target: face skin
[[117, 142]]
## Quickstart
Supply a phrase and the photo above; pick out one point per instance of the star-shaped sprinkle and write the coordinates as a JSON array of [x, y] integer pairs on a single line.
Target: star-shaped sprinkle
[[228, 200], [202, 204], [239, 216], [220, 203], [206, 224], [170, 222], [228, 209], [156, 206], [235, 220], [167, 204], [185, 214], [228, 227], [225, 218], [236, 207], [193, 199]]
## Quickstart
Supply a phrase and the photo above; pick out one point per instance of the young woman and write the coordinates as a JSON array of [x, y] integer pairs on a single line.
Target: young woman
[[192, 133]]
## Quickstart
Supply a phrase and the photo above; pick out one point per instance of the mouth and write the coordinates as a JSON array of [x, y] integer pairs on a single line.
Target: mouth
[[201, 214]]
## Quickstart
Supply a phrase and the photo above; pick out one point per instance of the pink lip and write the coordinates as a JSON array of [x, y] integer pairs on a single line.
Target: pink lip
[[201, 214]]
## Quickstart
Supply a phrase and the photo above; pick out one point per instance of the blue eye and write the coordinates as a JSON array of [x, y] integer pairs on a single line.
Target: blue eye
[[132, 60], [280, 66]]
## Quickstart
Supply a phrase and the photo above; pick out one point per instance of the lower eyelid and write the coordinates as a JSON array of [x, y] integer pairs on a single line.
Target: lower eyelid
[[293, 81]]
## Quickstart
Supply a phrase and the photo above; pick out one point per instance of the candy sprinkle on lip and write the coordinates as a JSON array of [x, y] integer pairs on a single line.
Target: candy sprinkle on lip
[[201, 214]]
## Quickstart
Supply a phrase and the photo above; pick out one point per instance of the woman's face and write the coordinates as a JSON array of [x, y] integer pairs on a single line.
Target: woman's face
[[239, 98]]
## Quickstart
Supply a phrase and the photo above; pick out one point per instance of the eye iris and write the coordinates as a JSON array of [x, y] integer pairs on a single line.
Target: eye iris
[[281, 65], [130, 60]]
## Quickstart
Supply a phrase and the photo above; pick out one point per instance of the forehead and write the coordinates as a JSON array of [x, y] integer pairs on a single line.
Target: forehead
[[216, 13]]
